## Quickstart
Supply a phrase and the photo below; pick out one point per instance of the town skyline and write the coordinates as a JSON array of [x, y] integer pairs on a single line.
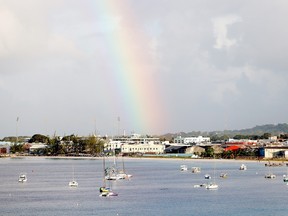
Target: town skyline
[[258, 130]]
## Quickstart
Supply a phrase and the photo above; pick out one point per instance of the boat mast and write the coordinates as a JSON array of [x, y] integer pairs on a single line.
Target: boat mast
[[123, 165], [104, 180]]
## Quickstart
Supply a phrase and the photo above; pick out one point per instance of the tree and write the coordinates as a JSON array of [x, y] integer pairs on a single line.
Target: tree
[[209, 152], [94, 145], [39, 138], [266, 136], [54, 146], [16, 148]]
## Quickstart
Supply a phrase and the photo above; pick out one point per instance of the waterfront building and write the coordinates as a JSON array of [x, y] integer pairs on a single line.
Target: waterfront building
[[5, 147], [274, 152], [136, 139], [135, 143], [36, 147], [191, 140], [112, 145], [148, 148]]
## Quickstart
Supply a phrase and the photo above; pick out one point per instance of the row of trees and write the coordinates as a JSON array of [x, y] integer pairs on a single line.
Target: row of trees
[[247, 152], [216, 137], [68, 145]]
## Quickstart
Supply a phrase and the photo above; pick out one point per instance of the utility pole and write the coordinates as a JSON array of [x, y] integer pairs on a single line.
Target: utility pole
[[118, 125], [17, 120]]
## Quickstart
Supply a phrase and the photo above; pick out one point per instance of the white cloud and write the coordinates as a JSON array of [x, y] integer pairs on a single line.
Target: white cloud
[[270, 81], [11, 31], [223, 89], [220, 25], [30, 38]]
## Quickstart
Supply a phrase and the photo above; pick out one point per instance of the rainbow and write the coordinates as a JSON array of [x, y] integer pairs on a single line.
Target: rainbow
[[133, 72]]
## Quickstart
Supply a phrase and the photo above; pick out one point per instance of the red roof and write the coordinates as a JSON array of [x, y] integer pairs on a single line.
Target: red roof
[[232, 148]]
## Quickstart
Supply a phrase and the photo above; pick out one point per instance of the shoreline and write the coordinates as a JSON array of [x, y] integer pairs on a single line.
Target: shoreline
[[279, 161]]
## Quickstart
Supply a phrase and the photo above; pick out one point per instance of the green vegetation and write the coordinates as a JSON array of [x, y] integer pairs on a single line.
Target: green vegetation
[[258, 132], [68, 145]]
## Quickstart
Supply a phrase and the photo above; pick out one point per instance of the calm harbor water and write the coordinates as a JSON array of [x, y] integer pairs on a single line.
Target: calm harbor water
[[156, 188]]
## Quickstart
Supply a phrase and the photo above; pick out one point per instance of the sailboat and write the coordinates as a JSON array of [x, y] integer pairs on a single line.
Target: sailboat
[[285, 177], [111, 173], [104, 190], [212, 185], [73, 183], [270, 175], [122, 173]]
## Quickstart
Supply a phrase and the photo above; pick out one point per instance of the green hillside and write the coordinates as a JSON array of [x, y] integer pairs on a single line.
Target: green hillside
[[257, 130]]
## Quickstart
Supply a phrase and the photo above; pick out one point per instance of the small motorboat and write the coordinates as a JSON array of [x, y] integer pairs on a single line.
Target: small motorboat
[[183, 168], [270, 176], [22, 178], [243, 167], [207, 176], [223, 175], [107, 192], [212, 186], [196, 169], [73, 183]]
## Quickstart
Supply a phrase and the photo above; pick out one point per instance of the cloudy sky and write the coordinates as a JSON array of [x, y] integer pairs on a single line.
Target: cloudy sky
[[149, 67]]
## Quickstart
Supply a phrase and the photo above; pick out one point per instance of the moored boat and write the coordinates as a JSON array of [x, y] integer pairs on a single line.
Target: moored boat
[[22, 178], [223, 175], [212, 186], [183, 168], [106, 192], [73, 183], [196, 169], [270, 176], [243, 167]]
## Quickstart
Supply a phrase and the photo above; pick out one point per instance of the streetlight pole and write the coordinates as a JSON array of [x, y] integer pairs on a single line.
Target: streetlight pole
[[17, 120]]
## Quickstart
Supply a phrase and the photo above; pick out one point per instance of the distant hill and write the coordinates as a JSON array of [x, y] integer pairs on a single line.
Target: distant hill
[[257, 130]]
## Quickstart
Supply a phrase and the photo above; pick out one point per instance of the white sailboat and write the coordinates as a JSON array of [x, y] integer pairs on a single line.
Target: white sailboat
[[212, 185], [113, 173], [122, 173], [104, 190], [270, 175], [73, 183], [285, 177]]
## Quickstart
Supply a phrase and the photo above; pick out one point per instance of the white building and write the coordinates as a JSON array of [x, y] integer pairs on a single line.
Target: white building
[[143, 148], [37, 146], [136, 139], [5, 147], [191, 140], [274, 152], [136, 143], [112, 145]]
